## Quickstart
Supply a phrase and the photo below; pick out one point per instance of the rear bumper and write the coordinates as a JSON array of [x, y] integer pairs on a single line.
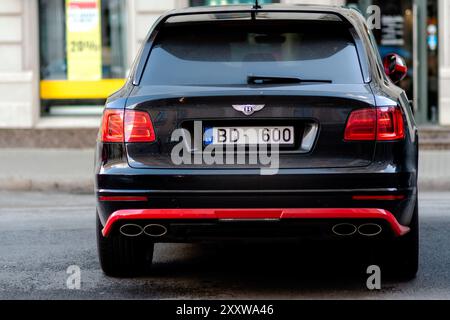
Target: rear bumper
[[378, 192], [189, 216], [344, 204]]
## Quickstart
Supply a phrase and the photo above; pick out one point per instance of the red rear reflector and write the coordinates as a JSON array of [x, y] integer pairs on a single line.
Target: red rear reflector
[[381, 124], [361, 125], [112, 126], [122, 198], [138, 127], [385, 198]]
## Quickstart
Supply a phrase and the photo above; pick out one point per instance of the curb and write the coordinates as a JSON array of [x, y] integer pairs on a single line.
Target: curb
[[434, 185], [85, 186]]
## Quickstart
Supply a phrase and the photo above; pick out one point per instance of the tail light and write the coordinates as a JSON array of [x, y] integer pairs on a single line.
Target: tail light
[[112, 126], [361, 125], [138, 127], [134, 126], [381, 124], [390, 125]]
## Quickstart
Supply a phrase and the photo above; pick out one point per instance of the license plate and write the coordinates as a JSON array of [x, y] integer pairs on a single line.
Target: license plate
[[249, 135]]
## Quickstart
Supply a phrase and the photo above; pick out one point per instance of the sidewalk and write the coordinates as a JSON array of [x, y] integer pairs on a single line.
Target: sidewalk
[[71, 170], [65, 170]]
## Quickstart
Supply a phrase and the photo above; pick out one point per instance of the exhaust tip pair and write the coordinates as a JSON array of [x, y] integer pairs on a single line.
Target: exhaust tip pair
[[366, 230], [135, 230]]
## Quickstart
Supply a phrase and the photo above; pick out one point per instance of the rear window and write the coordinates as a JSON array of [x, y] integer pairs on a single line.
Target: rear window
[[226, 53]]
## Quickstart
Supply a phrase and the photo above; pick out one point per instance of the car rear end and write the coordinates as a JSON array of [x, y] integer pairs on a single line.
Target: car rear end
[[254, 127]]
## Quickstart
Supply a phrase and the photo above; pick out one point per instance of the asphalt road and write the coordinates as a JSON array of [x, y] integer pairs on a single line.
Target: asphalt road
[[41, 235]]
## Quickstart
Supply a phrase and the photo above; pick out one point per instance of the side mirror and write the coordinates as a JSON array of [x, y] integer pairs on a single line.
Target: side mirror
[[395, 67]]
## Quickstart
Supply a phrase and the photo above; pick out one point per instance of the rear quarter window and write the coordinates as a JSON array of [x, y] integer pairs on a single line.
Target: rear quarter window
[[225, 53]]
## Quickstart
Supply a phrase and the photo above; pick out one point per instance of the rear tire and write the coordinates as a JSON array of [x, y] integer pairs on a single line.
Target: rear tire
[[404, 256], [121, 256]]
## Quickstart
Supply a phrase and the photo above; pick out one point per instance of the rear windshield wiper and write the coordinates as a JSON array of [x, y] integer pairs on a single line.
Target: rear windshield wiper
[[281, 80]]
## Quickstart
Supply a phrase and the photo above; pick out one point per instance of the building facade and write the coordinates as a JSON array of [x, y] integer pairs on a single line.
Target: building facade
[[58, 55]]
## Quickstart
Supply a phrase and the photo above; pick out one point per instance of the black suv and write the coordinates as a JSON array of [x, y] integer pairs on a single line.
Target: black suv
[[258, 123]]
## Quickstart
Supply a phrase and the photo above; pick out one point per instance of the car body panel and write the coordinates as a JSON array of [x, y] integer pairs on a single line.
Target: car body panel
[[327, 177], [331, 104]]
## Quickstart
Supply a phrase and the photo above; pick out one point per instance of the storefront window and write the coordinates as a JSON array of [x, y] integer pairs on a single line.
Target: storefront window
[[399, 22], [52, 39], [82, 44], [433, 60], [396, 34]]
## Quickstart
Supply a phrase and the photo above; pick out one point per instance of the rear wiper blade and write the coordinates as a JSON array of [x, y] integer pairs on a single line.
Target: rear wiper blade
[[281, 80]]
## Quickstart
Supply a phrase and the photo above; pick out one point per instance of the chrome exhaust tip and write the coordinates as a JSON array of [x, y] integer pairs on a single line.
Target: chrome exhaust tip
[[155, 230], [131, 230], [370, 229], [344, 229]]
